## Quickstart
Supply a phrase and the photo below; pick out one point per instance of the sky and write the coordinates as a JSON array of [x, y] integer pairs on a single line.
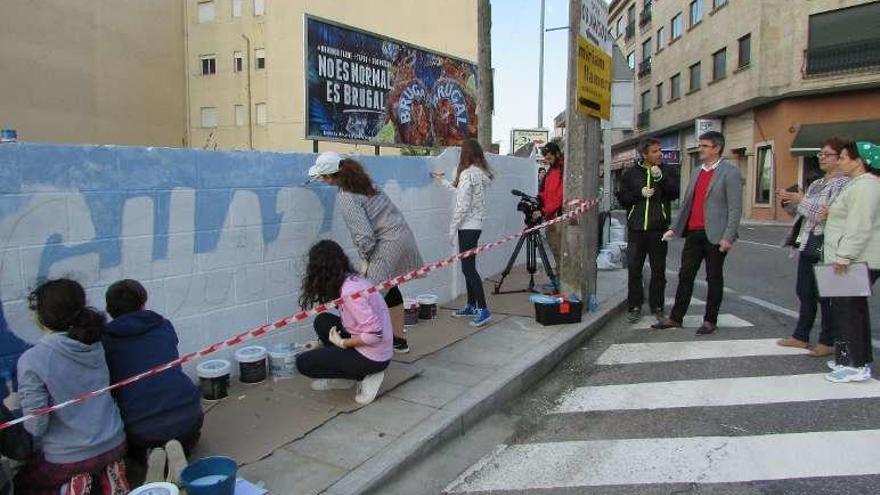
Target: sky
[[515, 45]]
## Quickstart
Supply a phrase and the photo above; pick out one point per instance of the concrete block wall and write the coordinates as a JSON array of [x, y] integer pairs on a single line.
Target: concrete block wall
[[217, 238]]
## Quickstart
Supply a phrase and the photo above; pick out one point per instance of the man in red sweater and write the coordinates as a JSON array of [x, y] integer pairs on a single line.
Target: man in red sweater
[[551, 197], [709, 222]]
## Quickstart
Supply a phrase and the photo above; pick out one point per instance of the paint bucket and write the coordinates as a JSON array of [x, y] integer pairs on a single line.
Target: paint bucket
[[427, 306], [410, 312], [282, 360], [251, 364], [160, 488], [214, 378], [8, 136], [210, 476]]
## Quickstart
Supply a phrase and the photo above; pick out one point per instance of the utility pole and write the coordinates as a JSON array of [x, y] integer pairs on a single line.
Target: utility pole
[[484, 61], [578, 272], [249, 95], [541, 71]]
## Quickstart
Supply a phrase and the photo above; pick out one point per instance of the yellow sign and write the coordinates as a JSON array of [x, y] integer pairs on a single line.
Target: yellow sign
[[593, 80]]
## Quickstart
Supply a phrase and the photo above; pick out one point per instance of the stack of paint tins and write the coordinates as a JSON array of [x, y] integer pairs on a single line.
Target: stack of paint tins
[[410, 312], [427, 306]]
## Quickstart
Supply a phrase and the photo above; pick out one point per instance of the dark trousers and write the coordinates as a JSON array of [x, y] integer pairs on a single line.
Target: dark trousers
[[697, 248], [852, 327], [138, 448], [641, 244], [331, 361], [808, 294], [467, 239]]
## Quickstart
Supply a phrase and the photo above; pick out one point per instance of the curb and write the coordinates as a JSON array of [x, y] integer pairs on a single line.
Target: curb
[[480, 401]]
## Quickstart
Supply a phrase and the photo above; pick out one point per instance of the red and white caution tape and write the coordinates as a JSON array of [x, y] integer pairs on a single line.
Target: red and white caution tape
[[578, 207]]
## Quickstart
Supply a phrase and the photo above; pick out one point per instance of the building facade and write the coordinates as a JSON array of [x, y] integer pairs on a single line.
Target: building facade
[[245, 61], [99, 71], [776, 86]]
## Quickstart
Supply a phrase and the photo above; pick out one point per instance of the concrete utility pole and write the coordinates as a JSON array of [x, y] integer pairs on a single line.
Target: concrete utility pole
[[484, 62], [578, 272], [541, 72]]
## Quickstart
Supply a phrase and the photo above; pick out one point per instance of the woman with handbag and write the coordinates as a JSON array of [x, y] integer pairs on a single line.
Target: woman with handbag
[[808, 240], [852, 235]]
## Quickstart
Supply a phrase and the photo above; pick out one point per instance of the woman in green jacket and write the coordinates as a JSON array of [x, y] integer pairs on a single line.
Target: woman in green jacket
[[852, 235]]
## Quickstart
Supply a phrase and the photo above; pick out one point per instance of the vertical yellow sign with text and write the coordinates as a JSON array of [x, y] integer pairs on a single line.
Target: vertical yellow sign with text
[[593, 80]]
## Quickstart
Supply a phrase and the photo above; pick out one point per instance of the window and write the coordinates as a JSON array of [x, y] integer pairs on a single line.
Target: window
[[209, 117], [675, 87], [620, 26], [695, 77], [260, 56], [764, 175], [745, 50], [661, 38], [237, 62], [262, 118], [259, 7], [659, 96], [719, 64], [718, 3], [631, 14], [209, 64], [646, 100], [646, 49], [240, 116], [696, 12], [206, 11], [676, 27], [631, 60], [844, 40], [236, 8]]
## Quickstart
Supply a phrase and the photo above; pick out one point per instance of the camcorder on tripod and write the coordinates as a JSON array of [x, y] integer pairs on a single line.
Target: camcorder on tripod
[[535, 246]]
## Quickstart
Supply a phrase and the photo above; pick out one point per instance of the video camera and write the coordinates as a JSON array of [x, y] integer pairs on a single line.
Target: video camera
[[528, 205]]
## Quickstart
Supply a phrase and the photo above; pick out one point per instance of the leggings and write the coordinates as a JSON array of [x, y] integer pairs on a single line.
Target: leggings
[[467, 239], [331, 361]]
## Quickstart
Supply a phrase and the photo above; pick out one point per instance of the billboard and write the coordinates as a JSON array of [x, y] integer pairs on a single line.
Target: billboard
[[368, 89], [522, 137]]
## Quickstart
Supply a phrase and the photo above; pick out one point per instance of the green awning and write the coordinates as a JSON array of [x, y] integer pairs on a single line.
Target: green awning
[[810, 136]]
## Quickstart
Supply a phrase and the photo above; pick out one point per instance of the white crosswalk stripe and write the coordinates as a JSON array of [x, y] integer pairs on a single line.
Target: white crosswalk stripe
[[654, 352], [694, 321]]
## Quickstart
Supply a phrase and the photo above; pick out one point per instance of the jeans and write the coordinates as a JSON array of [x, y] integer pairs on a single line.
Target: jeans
[[554, 240], [331, 361], [648, 244], [467, 239], [808, 294], [852, 326], [696, 249]]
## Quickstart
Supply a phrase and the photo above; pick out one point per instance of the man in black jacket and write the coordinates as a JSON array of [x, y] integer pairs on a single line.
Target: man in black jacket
[[646, 192]]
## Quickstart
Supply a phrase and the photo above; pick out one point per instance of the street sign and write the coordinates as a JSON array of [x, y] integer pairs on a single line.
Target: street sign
[[593, 80], [594, 23]]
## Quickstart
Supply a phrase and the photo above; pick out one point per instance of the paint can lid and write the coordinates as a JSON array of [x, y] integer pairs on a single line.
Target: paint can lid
[[250, 354], [427, 299], [161, 488], [213, 368]]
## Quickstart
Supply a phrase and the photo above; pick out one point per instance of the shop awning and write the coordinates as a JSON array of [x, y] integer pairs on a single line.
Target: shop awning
[[810, 136]]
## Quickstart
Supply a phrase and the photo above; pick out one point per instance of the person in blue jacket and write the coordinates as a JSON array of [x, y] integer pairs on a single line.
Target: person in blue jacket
[[15, 442], [160, 408]]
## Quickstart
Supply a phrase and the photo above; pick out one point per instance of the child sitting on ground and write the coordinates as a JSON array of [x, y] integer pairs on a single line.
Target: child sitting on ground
[[358, 343], [160, 408], [82, 445]]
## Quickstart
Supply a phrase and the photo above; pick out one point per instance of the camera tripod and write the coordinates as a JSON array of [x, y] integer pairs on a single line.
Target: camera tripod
[[534, 242]]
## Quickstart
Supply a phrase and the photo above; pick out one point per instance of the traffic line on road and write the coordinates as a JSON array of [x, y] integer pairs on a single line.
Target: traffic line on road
[[712, 393], [770, 306], [703, 283], [673, 460], [694, 321], [660, 352], [762, 244], [670, 301]]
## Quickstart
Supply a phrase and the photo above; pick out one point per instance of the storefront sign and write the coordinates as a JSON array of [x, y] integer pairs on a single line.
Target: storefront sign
[[365, 88], [671, 156]]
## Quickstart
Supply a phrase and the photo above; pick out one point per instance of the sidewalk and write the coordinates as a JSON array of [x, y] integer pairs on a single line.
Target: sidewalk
[[457, 386]]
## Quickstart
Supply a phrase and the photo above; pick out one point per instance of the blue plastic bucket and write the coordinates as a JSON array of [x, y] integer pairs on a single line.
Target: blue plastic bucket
[[210, 476]]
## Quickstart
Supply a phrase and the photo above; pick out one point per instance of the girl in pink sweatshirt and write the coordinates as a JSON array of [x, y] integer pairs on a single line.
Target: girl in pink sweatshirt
[[357, 344]]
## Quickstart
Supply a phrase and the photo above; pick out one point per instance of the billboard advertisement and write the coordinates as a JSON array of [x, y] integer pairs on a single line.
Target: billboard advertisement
[[368, 89]]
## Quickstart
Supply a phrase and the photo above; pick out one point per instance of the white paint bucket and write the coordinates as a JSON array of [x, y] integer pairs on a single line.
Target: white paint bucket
[[282, 360]]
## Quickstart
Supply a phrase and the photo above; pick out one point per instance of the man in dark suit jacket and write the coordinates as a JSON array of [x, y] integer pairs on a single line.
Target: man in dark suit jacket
[[709, 222]]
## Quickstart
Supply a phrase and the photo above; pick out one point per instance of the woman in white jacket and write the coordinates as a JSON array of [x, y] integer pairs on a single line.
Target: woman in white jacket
[[471, 179]]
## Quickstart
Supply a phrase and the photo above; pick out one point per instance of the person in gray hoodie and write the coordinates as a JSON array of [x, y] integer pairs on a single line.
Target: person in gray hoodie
[[86, 440], [472, 178]]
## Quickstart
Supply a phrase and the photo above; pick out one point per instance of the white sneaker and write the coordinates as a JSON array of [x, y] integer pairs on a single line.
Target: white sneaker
[[332, 384], [156, 462], [833, 366], [846, 374], [176, 461], [368, 388]]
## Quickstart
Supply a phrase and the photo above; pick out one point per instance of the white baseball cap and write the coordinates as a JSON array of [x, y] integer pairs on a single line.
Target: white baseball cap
[[327, 163]]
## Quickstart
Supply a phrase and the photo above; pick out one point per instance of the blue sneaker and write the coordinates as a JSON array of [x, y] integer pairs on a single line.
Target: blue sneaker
[[481, 317], [468, 311]]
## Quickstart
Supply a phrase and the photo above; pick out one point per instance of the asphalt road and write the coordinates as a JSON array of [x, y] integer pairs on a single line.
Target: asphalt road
[[637, 411]]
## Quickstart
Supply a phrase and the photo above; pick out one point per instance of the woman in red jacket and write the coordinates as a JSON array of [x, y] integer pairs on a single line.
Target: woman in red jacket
[[551, 197]]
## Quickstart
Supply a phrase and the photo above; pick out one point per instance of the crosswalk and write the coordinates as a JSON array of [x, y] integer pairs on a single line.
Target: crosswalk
[[580, 463]]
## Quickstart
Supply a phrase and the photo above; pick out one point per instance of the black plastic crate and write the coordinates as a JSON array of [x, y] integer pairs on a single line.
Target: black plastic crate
[[550, 314]]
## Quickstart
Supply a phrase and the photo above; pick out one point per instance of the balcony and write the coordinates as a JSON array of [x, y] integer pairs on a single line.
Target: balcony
[[645, 18], [630, 31], [643, 120], [844, 57], [644, 68]]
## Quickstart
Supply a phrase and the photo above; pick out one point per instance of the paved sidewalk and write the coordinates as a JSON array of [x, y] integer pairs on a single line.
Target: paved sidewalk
[[459, 385]]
